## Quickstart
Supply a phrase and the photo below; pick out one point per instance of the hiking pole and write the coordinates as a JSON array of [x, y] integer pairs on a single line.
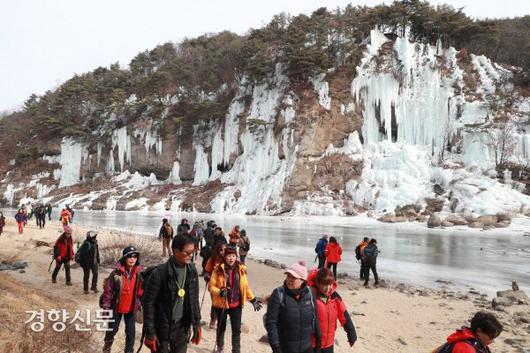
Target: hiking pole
[[203, 295], [49, 267]]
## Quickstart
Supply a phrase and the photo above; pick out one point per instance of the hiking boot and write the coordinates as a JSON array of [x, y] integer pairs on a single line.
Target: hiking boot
[[219, 349], [365, 284], [68, 283], [95, 290], [54, 280], [86, 291]]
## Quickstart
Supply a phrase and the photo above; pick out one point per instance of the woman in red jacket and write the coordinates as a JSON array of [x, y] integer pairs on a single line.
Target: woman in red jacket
[[330, 308], [122, 291], [63, 253], [333, 253]]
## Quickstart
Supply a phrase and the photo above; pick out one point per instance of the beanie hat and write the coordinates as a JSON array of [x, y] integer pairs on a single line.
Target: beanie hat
[[243, 232], [297, 270], [91, 234], [230, 250]]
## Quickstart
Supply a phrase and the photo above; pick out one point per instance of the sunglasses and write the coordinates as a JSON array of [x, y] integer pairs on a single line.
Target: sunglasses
[[132, 256], [187, 253]]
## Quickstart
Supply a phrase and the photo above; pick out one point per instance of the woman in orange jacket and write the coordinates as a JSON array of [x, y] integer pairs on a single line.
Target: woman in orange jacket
[[230, 291], [333, 255]]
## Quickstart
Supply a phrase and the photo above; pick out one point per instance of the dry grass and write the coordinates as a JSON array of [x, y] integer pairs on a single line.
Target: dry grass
[[17, 337], [111, 248]]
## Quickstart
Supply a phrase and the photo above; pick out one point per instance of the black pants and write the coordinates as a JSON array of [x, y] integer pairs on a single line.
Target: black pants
[[49, 216], [327, 350], [178, 340], [242, 258], [321, 260], [363, 269], [130, 331], [86, 275], [235, 323], [369, 265], [334, 265], [66, 271]]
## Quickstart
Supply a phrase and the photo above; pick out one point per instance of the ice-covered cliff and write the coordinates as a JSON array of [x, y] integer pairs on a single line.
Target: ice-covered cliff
[[412, 123]]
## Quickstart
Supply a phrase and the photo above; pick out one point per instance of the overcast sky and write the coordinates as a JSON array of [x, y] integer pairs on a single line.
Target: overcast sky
[[43, 43]]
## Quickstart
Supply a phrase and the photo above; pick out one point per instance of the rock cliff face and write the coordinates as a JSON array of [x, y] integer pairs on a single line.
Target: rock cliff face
[[411, 123]]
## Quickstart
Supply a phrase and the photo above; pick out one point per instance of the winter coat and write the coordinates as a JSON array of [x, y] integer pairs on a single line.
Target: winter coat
[[234, 235], [218, 281], [113, 286], [159, 299], [2, 221], [183, 229], [241, 243], [166, 231], [320, 248], [212, 262], [333, 253], [463, 341], [89, 253], [291, 323], [65, 216], [370, 253], [20, 217], [64, 248], [208, 236], [329, 312]]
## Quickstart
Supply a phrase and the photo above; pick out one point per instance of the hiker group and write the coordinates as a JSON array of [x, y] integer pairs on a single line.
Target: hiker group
[[302, 315], [329, 254]]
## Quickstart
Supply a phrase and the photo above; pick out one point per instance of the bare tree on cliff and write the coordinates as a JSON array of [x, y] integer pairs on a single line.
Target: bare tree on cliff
[[500, 141]]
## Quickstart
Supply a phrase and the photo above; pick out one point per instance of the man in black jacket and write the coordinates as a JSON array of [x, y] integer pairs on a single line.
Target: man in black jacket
[[89, 260], [369, 254], [171, 301]]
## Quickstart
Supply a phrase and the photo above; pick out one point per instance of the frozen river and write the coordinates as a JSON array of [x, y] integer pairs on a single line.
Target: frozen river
[[488, 261], [410, 253]]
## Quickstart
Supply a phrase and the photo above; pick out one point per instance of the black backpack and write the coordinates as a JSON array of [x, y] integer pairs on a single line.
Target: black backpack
[[246, 245], [448, 347], [358, 252]]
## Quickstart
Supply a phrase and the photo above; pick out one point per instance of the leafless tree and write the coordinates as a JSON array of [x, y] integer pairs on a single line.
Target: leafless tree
[[500, 141]]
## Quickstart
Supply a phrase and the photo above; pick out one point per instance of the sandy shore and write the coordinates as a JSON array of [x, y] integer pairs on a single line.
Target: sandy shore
[[402, 319]]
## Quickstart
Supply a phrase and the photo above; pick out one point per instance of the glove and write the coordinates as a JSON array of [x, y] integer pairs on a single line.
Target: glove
[[150, 343], [276, 349], [197, 335], [207, 277], [256, 303], [224, 292]]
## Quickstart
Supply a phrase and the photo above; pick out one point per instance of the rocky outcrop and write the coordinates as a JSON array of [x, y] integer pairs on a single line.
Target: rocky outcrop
[[434, 221]]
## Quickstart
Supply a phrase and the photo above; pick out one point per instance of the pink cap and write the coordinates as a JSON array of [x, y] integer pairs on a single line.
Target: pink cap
[[298, 270]]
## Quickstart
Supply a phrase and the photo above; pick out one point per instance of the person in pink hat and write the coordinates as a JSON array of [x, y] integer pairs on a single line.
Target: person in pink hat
[[291, 320]]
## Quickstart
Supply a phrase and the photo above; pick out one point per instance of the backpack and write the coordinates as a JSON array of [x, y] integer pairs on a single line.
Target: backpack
[[448, 347], [168, 231], [358, 252], [81, 252], [246, 245]]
